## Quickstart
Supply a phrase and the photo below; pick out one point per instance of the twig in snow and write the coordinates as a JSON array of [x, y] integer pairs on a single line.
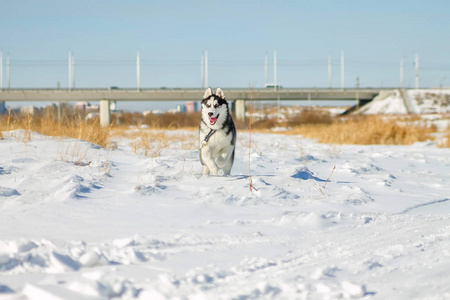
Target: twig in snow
[[250, 183], [329, 177]]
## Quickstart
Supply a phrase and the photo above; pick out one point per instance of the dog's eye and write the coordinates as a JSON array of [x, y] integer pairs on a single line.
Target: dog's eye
[[208, 105], [216, 105]]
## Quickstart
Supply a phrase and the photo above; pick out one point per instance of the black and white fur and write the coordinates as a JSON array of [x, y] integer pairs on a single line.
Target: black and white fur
[[217, 134]]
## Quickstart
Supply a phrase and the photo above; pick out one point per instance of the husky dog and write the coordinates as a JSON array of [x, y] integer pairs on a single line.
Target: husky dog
[[217, 134]]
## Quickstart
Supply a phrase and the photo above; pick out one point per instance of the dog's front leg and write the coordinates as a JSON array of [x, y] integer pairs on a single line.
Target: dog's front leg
[[209, 165]]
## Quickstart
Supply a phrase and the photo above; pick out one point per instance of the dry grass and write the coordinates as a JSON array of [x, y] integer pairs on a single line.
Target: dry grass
[[45, 124], [305, 117], [371, 130], [153, 142], [446, 141], [155, 133], [159, 121], [362, 130], [311, 116], [311, 123], [149, 143]]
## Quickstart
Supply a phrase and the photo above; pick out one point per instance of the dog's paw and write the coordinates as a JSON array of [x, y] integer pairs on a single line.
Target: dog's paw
[[205, 171]]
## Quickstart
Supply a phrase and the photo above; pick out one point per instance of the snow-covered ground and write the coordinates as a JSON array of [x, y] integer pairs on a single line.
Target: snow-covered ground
[[424, 101], [387, 103], [82, 222], [430, 101]]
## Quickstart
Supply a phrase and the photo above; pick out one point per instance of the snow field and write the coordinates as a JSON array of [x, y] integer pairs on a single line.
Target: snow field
[[427, 101], [81, 222]]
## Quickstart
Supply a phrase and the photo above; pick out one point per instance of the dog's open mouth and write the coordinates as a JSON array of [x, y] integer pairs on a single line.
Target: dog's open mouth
[[213, 120]]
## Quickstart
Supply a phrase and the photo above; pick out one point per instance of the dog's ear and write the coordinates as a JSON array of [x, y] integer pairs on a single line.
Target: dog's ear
[[208, 93], [220, 93]]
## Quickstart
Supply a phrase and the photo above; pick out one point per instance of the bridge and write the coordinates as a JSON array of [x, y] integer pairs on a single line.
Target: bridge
[[238, 95]]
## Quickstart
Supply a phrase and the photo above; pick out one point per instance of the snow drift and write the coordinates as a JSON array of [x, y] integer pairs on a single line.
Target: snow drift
[[113, 224], [417, 101]]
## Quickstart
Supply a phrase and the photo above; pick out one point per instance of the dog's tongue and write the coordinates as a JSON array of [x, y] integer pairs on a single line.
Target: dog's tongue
[[212, 121]]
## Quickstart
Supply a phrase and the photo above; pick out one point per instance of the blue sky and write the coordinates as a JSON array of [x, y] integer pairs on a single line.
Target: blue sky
[[172, 36]]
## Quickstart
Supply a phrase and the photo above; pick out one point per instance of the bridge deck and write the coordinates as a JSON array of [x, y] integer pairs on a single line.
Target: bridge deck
[[185, 94]]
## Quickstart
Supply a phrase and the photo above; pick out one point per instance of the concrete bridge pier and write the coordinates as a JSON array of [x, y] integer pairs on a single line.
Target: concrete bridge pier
[[239, 109], [105, 113]]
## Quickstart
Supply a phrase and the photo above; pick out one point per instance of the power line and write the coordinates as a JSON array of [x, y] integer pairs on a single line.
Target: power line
[[221, 63]]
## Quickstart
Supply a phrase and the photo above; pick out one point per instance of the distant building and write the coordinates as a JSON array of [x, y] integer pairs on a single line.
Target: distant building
[[191, 106], [29, 110], [82, 105], [92, 108], [152, 112], [181, 108], [2, 107], [86, 107]]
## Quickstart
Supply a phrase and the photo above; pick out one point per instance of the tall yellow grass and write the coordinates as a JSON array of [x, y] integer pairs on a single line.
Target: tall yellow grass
[[152, 142], [364, 130], [159, 121], [372, 130], [446, 142], [306, 117], [46, 124], [149, 143]]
